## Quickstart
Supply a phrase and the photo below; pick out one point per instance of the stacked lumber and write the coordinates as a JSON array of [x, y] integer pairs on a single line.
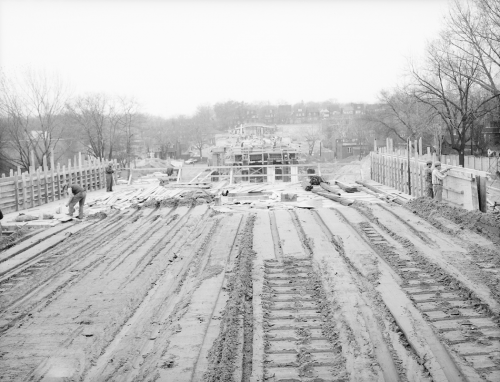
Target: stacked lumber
[[398, 197], [328, 188], [126, 198], [339, 199], [347, 187]]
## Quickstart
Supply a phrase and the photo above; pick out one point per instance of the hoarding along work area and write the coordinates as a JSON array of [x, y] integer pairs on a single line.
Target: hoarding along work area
[[255, 281]]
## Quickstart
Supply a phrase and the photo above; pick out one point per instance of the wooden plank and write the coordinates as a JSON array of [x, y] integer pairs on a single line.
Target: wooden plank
[[58, 175], [45, 185], [16, 188], [52, 178], [99, 167], [24, 190], [39, 186], [32, 190]]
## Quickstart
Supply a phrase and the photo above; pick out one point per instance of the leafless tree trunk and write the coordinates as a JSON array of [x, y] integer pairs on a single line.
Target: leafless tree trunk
[[313, 134], [448, 85], [31, 105]]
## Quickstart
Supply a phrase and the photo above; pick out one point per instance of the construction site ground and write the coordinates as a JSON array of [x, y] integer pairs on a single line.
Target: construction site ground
[[230, 283]]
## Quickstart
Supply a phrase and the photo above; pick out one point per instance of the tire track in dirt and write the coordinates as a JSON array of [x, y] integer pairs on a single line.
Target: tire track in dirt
[[300, 341], [464, 322], [189, 319], [136, 344], [47, 266], [36, 290], [480, 260], [85, 289]]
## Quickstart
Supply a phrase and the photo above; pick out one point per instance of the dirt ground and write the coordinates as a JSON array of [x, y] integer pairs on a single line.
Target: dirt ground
[[191, 291]]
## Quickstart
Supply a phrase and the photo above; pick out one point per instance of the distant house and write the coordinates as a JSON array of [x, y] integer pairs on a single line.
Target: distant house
[[491, 134], [299, 115], [348, 147], [284, 114], [324, 113], [374, 108], [347, 110], [312, 114], [251, 115], [268, 115], [358, 108]]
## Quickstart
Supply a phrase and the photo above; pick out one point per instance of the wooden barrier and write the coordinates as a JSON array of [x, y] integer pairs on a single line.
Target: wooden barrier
[[252, 174], [22, 190], [405, 171]]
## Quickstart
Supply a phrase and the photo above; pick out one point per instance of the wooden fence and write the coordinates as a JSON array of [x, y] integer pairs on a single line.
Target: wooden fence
[[404, 170], [22, 190], [487, 164]]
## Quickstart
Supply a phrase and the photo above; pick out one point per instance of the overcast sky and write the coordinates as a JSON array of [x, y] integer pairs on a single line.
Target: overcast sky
[[175, 55]]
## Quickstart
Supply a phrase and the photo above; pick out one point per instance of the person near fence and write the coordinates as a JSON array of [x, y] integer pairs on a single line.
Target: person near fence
[[109, 177], [437, 180], [428, 180], [1, 217], [78, 196]]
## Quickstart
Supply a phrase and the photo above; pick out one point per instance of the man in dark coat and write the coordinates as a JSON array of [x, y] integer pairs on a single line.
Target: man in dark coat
[[79, 195], [1, 217], [109, 177]]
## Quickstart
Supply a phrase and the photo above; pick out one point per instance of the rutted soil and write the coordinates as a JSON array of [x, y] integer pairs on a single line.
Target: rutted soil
[[485, 224], [180, 292]]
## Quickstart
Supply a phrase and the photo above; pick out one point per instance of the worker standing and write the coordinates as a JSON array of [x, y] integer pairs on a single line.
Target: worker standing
[[437, 180], [1, 217], [109, 177], [78, 196], [428, 180]]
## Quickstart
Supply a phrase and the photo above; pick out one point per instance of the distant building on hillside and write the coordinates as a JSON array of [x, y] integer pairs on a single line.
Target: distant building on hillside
[[348, 147]]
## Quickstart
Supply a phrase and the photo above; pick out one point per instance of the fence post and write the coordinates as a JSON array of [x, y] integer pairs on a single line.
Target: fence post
[[24, 190], [16, 190]]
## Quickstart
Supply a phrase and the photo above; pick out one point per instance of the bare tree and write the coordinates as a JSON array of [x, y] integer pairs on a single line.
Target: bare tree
[[473, 30], [313, 134], [31, 105], [448, 85], [402, 115], [98, 118], [128, 123], [201, 128]]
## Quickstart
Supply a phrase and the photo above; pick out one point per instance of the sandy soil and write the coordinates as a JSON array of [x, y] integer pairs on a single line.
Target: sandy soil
[[181, 291]]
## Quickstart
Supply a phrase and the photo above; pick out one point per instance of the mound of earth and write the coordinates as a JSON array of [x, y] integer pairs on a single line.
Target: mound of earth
[[486, 224]]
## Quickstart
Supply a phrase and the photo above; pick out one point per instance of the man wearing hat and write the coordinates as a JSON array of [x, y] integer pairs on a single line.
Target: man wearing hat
[[437, 180], [79, 195], [428, 180]]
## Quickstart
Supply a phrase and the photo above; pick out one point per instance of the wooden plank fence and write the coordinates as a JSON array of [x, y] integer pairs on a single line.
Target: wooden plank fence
[[404, 170], [487, 164], [27, 189]]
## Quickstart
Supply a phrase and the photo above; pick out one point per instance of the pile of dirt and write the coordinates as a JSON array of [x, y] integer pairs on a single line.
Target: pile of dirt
[[98, 215], [14, 238], [486, 224]]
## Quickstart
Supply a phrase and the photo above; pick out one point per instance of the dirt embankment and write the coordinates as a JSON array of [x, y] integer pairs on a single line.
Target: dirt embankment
[[485, 224]]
